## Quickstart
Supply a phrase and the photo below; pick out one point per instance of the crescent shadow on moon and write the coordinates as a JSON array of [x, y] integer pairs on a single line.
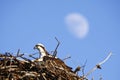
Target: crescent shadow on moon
[[77, 25]]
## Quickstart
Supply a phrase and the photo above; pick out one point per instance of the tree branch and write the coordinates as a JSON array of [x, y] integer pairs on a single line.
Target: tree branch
[[98, 66]]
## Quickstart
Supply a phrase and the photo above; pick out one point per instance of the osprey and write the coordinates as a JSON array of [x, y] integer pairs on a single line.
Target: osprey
[[42, 51], [45, 57]]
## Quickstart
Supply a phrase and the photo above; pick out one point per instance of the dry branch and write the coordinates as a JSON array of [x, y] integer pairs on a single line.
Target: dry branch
[[98, 66]]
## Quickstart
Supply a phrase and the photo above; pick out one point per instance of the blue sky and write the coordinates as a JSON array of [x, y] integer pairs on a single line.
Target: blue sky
[[24, 23]]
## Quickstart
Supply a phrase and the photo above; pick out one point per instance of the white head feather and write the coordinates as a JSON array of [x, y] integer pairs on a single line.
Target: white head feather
[[40, 44]]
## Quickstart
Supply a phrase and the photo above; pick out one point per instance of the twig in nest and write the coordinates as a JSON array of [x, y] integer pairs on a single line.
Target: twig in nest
[[55, 51], [77, 69], [83, 68], [98, 66], [18, 52], [32, 56], [66, 58]]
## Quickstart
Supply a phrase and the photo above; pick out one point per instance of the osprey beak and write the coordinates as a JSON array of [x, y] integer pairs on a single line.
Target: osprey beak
[[35, 47]]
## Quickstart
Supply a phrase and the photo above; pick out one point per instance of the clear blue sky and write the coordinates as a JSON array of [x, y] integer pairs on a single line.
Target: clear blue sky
[[23, 23]]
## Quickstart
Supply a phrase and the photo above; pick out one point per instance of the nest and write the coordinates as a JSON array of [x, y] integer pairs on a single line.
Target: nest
[[12, 68]]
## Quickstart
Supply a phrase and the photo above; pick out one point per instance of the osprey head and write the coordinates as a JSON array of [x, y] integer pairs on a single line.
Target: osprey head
[[39, 45]]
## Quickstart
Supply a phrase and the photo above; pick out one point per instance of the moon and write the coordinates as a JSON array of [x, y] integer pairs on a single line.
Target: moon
[[77, 24]]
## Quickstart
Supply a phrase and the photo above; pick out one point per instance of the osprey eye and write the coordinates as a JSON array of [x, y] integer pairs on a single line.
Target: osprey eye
[[36, 45]]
